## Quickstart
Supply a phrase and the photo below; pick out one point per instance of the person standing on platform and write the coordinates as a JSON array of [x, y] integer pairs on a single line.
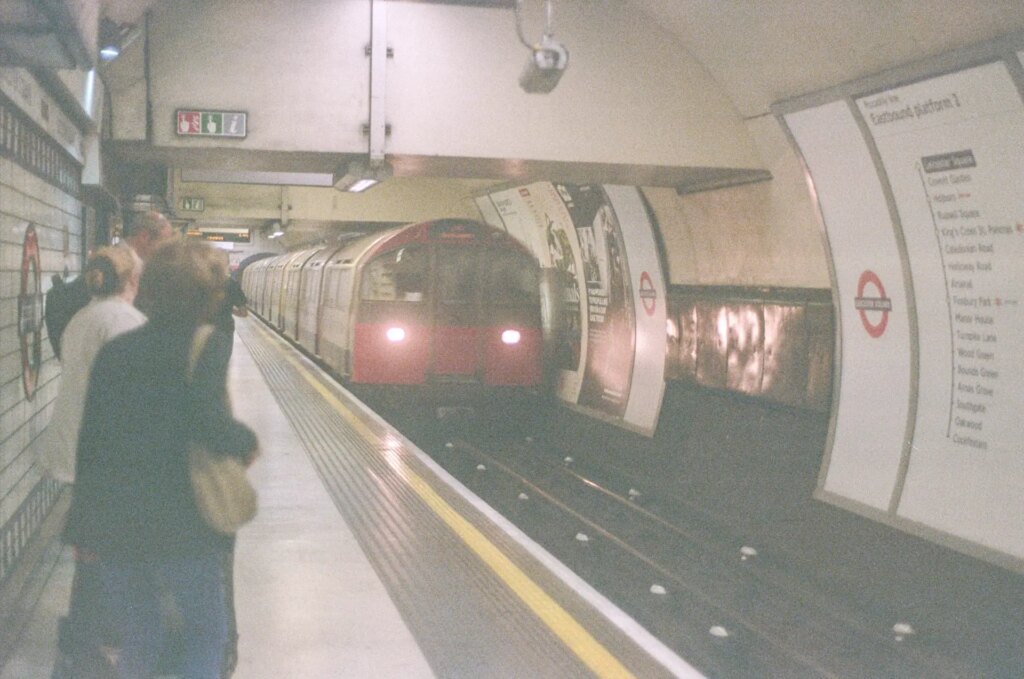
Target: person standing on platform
[[234, 305], [112, 278], [144, 233], [133, 504]]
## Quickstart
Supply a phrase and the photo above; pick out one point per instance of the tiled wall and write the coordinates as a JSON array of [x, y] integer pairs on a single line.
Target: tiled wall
[[39, 189]]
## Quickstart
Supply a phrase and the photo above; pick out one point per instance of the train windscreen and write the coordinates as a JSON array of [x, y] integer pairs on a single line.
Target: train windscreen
[[512, 279], [396, 276]]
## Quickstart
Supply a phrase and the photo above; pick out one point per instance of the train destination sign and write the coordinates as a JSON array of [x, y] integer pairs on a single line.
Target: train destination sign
[[221, 235], [198, 123]]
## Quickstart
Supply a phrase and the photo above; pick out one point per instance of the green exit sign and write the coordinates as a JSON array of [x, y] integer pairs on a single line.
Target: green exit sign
[[193, 204]]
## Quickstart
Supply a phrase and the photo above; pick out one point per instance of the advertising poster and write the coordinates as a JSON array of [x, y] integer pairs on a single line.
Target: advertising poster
[[604, 271], [610, 349], [953, 151]]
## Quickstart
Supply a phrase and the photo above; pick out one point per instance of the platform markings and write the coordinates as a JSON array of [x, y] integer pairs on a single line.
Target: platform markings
[[590, 651]]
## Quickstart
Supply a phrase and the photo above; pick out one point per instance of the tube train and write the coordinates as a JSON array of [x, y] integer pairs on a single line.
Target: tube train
[[449, 303]]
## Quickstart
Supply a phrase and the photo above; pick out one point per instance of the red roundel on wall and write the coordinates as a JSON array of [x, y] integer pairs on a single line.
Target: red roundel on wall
[[872, 303], [30, 313], [648, 295]]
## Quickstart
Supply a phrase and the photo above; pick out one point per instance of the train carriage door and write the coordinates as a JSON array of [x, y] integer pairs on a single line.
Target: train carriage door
[[456, 340]]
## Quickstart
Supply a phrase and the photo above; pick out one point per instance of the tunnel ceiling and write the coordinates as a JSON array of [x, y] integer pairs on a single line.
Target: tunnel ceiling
[[760, 53], [772, 50]]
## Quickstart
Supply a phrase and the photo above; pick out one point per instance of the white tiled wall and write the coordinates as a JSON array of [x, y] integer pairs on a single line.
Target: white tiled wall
[[27, 199]]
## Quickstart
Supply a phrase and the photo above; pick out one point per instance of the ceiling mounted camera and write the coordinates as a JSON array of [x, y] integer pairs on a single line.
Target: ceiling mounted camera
[[545, 67], [548, 58]]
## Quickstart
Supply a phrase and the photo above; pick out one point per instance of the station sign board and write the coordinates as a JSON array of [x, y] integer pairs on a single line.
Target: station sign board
[[199, 123]]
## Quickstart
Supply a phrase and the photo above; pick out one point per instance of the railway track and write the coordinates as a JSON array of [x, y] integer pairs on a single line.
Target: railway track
[[686, 576]]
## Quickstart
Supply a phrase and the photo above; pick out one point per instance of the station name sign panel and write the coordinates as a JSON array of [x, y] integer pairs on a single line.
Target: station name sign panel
[[936, 318], [198, 123]]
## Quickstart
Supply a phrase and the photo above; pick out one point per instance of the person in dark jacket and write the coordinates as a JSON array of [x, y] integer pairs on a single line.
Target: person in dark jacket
[[133, 505], [145, 232], [234, 304]]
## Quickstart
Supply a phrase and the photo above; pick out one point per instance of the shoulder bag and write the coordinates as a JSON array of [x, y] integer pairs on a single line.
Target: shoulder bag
[[225, 498]]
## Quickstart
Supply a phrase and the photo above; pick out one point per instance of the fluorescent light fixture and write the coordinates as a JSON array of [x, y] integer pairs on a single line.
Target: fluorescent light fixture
[[361, 185], [114, 38], [359, 176]]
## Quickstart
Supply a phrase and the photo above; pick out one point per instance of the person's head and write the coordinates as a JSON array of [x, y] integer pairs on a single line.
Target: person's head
[[146, 231], [183, 283], [113, 271]]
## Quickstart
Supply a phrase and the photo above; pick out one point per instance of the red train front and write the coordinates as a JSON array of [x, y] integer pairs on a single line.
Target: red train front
[[448, 302]]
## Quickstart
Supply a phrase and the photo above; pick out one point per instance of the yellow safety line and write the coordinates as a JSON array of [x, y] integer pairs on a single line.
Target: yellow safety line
[[565, 627]]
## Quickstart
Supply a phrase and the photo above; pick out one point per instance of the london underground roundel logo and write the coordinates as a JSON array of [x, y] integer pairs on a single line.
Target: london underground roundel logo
[[30, 313], [648, 295], [872, 304]]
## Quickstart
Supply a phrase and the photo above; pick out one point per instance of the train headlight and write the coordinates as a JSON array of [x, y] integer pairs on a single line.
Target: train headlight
[[395, 334], [511, 337]]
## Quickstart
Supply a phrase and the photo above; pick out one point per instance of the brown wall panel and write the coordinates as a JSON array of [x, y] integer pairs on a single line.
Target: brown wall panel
[[821, 344], [745, 353], [775, 344], [712, 336], [785, 353]]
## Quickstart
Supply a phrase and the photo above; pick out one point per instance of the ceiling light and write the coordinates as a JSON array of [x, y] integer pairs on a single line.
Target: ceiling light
[[359, 176], [114, 38]]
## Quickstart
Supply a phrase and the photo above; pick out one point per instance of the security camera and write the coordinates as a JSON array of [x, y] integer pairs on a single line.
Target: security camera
[[544, 68]]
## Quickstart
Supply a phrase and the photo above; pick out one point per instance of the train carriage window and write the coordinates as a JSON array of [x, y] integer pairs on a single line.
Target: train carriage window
[[400, 275], [512, 278], [456, 275]]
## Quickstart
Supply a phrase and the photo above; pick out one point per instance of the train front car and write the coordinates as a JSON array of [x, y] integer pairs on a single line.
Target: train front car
[[449, 304]]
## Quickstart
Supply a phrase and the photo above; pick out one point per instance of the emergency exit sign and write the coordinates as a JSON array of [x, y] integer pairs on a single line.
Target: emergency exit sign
[[230, 124]]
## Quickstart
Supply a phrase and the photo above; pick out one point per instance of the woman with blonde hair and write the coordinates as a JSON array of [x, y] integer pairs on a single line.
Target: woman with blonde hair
[[111, 277], [133, 504]]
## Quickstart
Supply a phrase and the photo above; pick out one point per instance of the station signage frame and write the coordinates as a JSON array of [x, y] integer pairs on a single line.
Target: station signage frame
[[197, 122]]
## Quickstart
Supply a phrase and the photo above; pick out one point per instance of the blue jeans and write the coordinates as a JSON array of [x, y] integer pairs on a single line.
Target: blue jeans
[[138, 591]]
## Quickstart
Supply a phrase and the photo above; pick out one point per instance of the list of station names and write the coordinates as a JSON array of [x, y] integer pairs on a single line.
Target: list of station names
[[952, 154], [971, 248]]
